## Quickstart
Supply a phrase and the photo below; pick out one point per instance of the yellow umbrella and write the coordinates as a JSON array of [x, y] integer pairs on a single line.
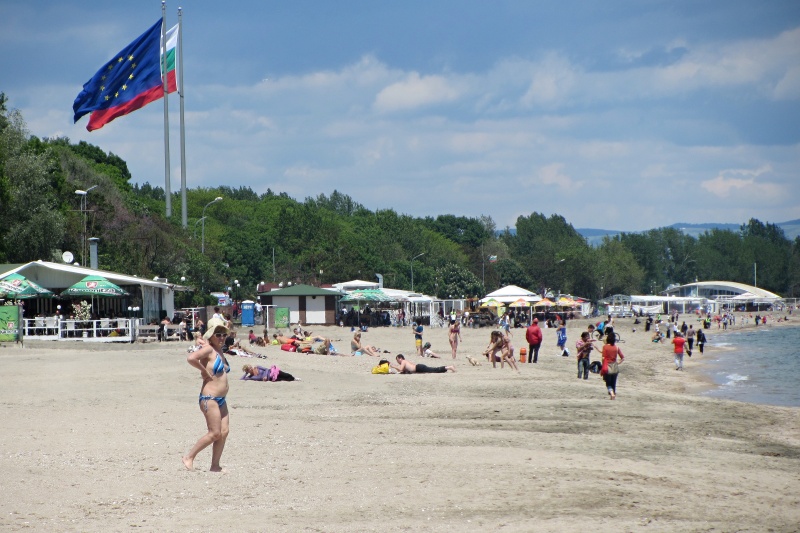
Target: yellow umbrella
[[566, 302], [520, 303], [544, 303]]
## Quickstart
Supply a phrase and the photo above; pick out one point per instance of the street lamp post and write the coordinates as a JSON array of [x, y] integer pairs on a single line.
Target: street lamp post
[[412, 269], [203, 244], [83, 195], [199, 220]]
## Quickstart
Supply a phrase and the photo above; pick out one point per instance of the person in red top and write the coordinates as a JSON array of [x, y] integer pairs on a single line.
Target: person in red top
[[678, 342], [534, 337], [610, 370]]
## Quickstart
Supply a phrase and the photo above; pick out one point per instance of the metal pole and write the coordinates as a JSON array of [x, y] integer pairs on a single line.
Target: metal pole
[[412, 269], [162, 51], [199, 220], [203, 244], [83, 239], [184, 213]]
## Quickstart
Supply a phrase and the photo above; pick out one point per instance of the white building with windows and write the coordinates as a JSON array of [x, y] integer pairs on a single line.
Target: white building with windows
[[726, 294]]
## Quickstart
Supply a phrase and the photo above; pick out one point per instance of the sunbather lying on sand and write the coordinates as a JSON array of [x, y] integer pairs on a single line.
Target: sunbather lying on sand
[[407, 367], [260, 373]]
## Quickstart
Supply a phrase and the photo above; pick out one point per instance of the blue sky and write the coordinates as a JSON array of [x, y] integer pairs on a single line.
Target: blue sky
[[624, 115]]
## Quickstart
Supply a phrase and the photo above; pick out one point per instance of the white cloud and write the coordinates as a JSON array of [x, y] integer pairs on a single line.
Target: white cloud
[[415, 91], [744, 183], [552, 83]]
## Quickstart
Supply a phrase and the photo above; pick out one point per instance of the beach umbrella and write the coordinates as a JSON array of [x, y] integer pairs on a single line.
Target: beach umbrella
[[520, 303], [367, 295], [19, 287], [566, 302], [94, 286], [544, 303]]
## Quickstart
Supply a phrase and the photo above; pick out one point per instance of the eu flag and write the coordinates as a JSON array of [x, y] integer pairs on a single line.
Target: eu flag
[[129, 81]]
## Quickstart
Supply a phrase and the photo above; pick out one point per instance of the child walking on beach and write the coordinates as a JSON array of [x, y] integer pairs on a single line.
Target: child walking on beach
[[561, 339], [584, 348]]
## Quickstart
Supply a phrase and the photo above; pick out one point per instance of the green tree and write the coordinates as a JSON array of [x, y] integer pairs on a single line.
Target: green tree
[[540, 245], [454, 281], [616, 269], [30, 182], [511, 273]]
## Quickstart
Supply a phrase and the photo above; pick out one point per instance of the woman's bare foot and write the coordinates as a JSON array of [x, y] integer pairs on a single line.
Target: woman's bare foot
[[218, 469], [613, 395], [188, 463]]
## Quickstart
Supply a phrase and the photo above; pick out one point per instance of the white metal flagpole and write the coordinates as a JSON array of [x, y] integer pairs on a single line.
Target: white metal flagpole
[[163, 52], [184, 213]]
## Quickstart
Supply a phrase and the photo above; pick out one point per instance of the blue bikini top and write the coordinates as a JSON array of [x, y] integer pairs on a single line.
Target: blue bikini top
[[220, 365]]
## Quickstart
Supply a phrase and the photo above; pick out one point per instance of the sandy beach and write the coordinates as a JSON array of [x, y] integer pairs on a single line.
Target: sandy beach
[[95, 436]]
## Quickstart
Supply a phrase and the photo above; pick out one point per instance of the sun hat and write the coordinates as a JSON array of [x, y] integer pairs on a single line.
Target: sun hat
[[213, 325]]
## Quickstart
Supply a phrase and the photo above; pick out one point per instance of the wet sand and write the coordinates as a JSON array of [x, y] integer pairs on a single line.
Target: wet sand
[[95, 433]]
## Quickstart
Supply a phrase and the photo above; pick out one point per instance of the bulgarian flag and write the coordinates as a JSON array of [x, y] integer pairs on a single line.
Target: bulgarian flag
[[130, 80], [172, 58]]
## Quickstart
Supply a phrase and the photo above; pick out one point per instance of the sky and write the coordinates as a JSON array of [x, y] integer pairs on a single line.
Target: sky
[[624, 114]]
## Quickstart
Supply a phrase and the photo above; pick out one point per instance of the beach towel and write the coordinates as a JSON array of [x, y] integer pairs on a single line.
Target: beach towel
[[288, 347], [273, 373]]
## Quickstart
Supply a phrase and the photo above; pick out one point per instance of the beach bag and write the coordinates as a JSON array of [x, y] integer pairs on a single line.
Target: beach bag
[[288, 347], [273, 373], [613, 368], [381, 369]]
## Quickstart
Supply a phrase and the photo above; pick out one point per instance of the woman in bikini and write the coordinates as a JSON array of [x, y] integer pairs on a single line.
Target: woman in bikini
[[507, 351], [455, 335], [357, 348], [210, 360]]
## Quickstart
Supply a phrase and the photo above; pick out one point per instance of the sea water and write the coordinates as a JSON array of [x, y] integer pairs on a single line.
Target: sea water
[[757, 365]]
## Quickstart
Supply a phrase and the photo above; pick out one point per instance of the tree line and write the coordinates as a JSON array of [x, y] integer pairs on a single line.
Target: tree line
[[271, 237]]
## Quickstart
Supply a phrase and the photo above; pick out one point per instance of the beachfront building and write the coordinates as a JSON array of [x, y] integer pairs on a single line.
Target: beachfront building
[[727, 294], [49, 318], [154, 298], [306, 304]]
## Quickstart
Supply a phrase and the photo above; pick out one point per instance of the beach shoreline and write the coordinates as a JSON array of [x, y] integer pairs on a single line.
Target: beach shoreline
[[96, 432]]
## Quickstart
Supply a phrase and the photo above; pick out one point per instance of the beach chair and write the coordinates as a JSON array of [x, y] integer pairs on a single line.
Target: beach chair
[[39, 325], [51, 325], [105, 327], [146, 333], [70, 327]]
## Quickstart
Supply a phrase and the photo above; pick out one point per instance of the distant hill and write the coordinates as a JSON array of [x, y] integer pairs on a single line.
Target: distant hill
[[595, 236]]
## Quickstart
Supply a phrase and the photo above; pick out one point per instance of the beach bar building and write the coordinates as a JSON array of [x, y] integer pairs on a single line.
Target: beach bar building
[[49, 318]]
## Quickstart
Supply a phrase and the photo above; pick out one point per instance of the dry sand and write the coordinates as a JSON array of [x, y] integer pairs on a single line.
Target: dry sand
[[94, 436]]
